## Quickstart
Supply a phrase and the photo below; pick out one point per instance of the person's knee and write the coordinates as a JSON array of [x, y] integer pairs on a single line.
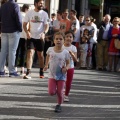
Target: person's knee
[[29, 53], [41, 56]]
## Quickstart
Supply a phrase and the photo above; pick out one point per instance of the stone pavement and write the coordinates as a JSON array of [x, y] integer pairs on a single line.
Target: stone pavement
[[94, 96]]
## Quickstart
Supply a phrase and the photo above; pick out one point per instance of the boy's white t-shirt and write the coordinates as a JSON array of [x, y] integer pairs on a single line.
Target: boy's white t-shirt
[[56, 24], [37, 21], [56, 62], [23, 34], [73, 49], [76, 24]]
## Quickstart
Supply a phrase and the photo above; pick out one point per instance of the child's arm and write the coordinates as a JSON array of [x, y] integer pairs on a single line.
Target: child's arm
[[74, 56], [65, 68], [46, 62]]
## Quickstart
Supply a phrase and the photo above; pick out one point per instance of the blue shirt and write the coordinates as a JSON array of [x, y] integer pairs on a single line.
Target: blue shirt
[[105, 34], [10, 17]]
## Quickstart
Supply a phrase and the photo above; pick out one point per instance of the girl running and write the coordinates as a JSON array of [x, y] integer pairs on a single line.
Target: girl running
[[69, 37], [58, 60]]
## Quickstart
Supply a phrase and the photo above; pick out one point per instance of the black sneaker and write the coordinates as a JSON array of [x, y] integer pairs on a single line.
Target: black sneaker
[[58, 108], [41, 74]]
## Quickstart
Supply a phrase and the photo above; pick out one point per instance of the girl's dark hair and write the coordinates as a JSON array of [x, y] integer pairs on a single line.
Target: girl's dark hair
[[25, 6], [86, 30], [71, 32]]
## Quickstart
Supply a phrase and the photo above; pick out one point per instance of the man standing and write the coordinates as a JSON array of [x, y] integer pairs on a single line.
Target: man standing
[[38, 20], [103, 43], [11, 26]]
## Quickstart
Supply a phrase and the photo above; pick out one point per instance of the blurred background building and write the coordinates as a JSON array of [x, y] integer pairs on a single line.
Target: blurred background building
[[96, 8]]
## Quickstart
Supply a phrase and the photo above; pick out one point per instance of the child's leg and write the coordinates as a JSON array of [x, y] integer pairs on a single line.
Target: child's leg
[[89, 59], [52, 86], [60, 88], [82, 59], [70, 73]]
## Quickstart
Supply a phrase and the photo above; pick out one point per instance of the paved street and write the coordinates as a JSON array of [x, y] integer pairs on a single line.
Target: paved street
[[94, 96]]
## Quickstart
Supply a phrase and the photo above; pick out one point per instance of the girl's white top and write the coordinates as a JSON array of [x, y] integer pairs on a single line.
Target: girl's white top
[[73, 49], [56, 62]]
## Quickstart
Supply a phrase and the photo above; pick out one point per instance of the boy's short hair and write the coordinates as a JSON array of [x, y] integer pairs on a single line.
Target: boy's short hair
[[66, 11], [59, 12], [81, 15], [74, 12], [53, 14], [25, 6]]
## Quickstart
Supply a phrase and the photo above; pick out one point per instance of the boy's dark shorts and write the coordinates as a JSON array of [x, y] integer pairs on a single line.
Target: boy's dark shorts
[[37, 44]]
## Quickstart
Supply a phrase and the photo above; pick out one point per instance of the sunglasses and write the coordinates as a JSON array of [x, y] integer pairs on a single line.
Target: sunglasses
[[87, 20]]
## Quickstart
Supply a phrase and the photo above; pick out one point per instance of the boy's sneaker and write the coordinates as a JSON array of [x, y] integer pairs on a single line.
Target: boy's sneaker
[[28, 76], [66, 99], [2, 74], [58, 108], [13, 74]]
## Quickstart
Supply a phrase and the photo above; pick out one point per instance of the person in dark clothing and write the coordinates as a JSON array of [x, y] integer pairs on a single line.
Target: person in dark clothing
[[49, 35], [21, 50], [2, 2], [81, 20], [11, 26]]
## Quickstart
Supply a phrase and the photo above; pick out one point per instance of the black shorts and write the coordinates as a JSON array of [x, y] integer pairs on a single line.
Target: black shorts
[[37, 44]]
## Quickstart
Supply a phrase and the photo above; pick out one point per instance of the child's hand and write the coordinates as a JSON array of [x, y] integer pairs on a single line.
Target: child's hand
[[45, 68], [64, 70]]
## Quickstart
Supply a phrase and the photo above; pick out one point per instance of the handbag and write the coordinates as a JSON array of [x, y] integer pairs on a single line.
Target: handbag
[[117, 43]]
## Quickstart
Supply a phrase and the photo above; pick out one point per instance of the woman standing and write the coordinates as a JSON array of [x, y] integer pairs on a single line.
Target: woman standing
[[114, 33], [21, 50]]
